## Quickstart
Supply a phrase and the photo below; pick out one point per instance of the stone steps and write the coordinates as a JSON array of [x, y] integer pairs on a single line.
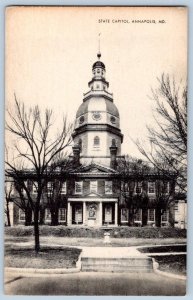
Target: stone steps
[[117, 264]]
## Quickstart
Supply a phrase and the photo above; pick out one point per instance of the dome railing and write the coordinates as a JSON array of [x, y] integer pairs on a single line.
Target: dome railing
[[96, 92]]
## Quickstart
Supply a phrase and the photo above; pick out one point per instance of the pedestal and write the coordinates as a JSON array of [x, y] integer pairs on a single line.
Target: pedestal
[[107, 238]]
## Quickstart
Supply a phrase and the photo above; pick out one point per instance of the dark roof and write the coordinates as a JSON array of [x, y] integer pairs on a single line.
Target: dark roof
[[98, 64]]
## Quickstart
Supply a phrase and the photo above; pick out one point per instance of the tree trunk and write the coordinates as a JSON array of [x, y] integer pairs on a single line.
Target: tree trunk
[[131, 217], [42, 216], [28, 216], [54, 217], [36, 230], [144, 217], [158, 217], [8, 215]]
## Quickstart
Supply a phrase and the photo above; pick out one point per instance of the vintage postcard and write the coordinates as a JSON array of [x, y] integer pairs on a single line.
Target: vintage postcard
[[95, 151]]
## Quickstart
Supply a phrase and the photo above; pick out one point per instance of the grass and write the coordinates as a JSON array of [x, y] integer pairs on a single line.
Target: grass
[[90, 242], [161, 249], [47, 258], [172, 263], [169, 263], [116, 232]]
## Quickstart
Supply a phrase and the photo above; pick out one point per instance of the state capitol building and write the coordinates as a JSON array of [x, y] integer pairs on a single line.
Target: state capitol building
[[92, 194]]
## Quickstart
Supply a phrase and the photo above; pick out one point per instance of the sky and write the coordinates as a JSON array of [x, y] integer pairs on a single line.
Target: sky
[[50, 52]]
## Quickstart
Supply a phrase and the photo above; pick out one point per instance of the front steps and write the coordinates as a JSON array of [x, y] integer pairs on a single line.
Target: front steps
[[115, 259], [126, 265]]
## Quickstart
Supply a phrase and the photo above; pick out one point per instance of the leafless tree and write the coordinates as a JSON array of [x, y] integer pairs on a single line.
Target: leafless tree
[[133, 173], [36, 147], [164, 195], [21, 200], [168, 139], [8, 199], [56, 186]]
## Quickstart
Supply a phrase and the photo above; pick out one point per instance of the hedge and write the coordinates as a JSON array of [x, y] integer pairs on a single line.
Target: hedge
[[118, 232]]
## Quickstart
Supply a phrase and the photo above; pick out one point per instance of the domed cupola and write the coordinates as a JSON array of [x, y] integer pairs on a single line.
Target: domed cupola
[[97, 119], [98, 64], [98, 81]]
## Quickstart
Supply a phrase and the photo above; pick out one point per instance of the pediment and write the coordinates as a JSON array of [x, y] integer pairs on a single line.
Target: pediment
[[94, 169], [92, 195]]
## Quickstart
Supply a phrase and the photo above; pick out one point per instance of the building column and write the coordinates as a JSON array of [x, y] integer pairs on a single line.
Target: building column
[[11, 213], [116, 213], [100, 214], [84, 213], [69, 214]]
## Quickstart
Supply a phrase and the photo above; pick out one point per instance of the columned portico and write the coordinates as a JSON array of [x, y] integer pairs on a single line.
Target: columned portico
[[69, 214], [92, 212]]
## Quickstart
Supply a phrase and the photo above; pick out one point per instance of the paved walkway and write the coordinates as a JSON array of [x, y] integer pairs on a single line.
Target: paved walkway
[[110, 252], [96, 283]]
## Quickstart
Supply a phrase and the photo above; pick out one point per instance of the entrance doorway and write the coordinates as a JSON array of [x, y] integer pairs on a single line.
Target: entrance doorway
[[108, 213]]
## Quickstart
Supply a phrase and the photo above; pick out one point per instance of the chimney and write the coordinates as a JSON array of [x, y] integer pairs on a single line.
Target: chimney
[[113, 153], [76, 155]]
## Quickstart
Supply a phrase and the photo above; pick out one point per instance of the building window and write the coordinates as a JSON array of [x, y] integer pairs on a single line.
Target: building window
[[108, 187], [138, 216], [33, 216], [81, 120], [151, 187], [96, 141], [49, 187], [124, 215], [47, 214], [93, 187], [80, 144], [113, 119], [113, 142], [63, 188], [98, 70], [138, 188], [151, 215], [78, 187], [62, 215], [34, 188], [164, 217], [21, 215], [176, 206], [165, 187]]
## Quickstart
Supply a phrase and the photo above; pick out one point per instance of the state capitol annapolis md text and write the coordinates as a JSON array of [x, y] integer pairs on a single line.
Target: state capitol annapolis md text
[[130, 21]]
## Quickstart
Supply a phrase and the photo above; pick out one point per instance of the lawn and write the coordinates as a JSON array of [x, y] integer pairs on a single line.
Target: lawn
[[169, 263], [90, 242], [160, 249], [47, 258], [172, 263]]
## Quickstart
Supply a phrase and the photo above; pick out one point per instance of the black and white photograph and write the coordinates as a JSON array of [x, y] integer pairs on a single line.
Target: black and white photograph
[[95, 192]]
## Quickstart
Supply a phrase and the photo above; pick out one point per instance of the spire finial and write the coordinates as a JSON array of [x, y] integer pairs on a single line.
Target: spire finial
[[99, 53]]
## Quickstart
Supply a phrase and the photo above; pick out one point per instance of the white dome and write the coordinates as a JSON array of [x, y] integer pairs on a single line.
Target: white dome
[[99, 104]]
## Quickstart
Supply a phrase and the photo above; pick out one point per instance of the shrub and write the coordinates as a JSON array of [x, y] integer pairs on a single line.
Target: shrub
[[117, 232]]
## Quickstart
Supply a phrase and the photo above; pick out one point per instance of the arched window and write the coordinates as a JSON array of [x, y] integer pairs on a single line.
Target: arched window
[[96, 141], [80, 144], [113, 142]]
